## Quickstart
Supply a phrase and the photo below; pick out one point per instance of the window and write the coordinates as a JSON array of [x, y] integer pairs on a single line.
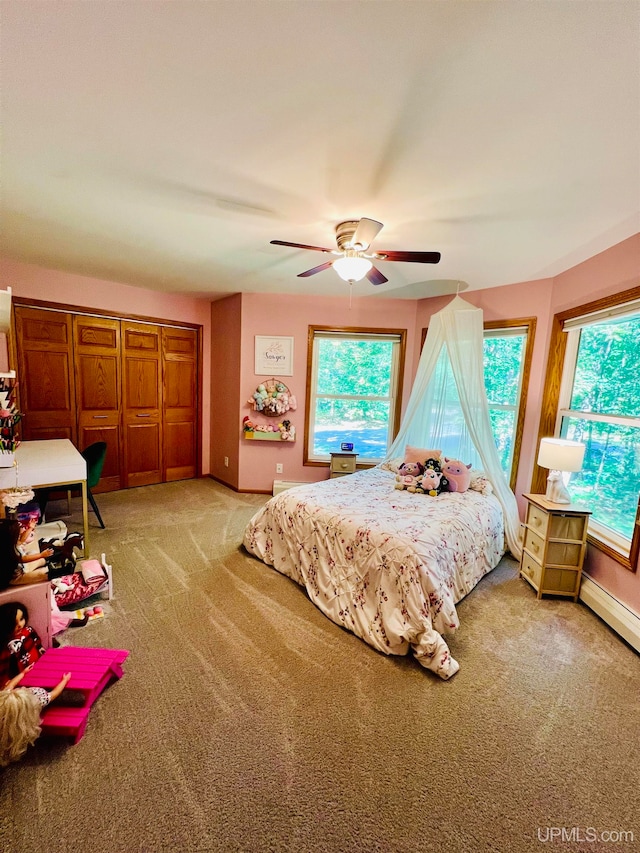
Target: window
[[508, 347], [354, 391], [600, 406], [592, 394]]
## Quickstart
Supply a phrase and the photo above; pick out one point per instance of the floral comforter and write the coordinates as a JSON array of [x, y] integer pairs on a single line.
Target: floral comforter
[[386, 564]]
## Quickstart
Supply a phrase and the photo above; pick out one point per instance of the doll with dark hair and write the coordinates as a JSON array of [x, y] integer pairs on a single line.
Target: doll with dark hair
[[20, 644], [12, 570], [20, 710]]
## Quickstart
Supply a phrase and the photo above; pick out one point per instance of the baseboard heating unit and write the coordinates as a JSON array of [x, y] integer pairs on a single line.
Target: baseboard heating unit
[[282, 485], [622, 619]]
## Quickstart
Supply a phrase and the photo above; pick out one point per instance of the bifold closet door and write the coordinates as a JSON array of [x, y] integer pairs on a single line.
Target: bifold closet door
[[141, 403], [45, 373], [98, 391], [180, 360]]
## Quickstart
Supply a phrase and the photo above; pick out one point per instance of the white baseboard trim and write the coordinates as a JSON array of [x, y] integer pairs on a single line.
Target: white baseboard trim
[[623, 621]]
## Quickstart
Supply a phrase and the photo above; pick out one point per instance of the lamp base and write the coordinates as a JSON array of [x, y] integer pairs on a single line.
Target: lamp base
[[556, 489]]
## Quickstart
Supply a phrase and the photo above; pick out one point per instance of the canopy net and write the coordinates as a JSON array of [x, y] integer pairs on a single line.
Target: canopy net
[[448, 405]]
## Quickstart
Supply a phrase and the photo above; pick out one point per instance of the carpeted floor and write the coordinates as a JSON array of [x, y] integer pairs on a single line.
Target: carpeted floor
[[247, 721]]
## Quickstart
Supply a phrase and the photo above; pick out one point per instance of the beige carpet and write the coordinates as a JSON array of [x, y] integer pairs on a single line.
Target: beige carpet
[[247, 721]]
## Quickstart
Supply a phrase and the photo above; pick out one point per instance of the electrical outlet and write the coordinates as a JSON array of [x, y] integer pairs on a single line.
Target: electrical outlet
[[226, 461], [279, 468]]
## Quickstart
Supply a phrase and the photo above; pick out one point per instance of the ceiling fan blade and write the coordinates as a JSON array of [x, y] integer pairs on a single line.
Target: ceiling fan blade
[[366, 233], [376, 277], [315, 270], [413, 257], [300, 246]]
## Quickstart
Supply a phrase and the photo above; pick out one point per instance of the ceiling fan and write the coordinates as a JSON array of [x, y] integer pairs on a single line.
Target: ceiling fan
[[354, 262]]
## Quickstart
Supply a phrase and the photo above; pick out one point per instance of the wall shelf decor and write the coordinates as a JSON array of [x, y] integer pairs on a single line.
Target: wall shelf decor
[[272, 398], [285, 431], [9, 419]]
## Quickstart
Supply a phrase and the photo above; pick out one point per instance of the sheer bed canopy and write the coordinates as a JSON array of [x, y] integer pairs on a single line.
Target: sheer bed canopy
[[448, 405]]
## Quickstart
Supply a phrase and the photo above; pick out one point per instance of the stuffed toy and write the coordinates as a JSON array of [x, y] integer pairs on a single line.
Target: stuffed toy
[[457, 473], [408, 476], [480, 483], [432, 483]]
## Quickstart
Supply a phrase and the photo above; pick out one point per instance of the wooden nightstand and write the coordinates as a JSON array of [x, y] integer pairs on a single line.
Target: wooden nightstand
[[555, 541], [341, 464]]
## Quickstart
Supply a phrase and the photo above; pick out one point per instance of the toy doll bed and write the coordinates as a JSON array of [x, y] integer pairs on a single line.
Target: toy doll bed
[[92, 577], [387, 565]]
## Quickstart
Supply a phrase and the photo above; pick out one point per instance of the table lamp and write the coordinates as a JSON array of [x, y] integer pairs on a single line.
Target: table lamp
[[559, 455]]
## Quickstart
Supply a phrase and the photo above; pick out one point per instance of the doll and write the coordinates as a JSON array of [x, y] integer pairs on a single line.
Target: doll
[[11, 567], [31, 560], [20, 709], [20, 644]]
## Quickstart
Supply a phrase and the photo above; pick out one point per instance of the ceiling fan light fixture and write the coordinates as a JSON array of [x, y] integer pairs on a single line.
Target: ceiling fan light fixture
[[352, 268]]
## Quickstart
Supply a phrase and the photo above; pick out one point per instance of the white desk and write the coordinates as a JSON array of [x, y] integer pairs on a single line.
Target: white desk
[[43, 464]]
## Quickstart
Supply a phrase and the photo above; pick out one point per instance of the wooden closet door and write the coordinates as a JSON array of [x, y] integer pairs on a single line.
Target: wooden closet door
[[45, 374], [180, 398], [98, 391], [141, 403]]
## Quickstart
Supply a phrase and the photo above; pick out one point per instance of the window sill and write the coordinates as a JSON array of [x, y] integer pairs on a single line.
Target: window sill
[[614, 553]]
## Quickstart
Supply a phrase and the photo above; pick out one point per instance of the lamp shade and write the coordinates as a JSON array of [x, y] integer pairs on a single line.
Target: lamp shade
[[352, 269], [560, 454]]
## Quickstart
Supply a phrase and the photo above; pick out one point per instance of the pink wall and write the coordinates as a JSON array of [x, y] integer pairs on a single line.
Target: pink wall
[[35, 282], [226, 337], [269, 314]]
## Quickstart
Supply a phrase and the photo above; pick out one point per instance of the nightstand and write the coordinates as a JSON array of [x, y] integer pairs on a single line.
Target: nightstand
[[555, 541], [341, 464]]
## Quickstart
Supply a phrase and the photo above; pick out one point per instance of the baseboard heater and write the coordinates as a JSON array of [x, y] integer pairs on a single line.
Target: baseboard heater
[[282, 485], [623, 620]]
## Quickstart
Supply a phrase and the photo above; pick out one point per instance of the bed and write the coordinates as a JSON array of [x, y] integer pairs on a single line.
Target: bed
[[385, 564]]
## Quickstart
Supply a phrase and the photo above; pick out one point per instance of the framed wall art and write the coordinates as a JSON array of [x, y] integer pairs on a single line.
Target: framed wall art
[[274, 356]]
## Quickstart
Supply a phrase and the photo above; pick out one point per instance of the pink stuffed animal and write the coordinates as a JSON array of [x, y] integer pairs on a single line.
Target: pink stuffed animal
[[408, 476], [457, 473]]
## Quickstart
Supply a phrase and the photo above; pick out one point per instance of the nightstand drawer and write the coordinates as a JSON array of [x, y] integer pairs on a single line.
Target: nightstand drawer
[[531, 570], [561, 581], [343, 463], [534, 543], [537, 519]]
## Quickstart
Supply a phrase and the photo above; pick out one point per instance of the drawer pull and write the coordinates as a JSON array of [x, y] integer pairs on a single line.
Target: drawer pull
[[528, 571], [97, 417], [535, 547], [344, 464], [143, 416]]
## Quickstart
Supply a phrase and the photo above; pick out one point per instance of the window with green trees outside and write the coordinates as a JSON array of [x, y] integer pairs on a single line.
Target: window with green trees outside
[[355, 391], [600, 406]]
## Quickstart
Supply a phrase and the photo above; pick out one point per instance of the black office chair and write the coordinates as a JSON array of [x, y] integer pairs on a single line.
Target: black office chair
[[94, 455]]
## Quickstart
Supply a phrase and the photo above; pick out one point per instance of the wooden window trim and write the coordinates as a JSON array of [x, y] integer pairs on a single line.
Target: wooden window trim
[[551, 400], [364, 330]]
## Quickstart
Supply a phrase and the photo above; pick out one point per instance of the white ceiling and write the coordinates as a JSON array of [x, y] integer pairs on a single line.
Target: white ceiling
[[165, 143]]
